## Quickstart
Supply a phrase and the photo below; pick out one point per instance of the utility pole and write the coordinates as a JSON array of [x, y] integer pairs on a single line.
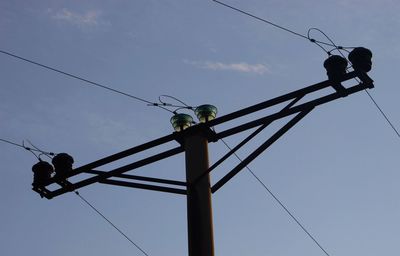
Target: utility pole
[[194, 139], [199, 209]]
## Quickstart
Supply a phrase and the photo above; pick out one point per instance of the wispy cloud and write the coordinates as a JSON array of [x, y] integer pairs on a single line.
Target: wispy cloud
[[242, 67], [89, 18]]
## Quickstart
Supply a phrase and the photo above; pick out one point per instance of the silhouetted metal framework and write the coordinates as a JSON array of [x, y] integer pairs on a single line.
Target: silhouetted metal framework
[[296, 106]]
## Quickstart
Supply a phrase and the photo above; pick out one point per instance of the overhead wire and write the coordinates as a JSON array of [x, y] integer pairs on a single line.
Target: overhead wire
[[383, 114], [111, 223], [259, 18], [296, 220], [85, 80], [274, 24]]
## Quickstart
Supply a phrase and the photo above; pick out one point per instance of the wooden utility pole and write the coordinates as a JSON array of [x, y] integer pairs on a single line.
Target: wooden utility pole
[[199, 210]]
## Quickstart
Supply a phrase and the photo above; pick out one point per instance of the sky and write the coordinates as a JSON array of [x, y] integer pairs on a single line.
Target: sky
[[337, 170]]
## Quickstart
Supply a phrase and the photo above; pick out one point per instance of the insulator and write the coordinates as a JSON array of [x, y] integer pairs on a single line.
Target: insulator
[[206, 113], [181, 122], [62, 164], [335, 67], [361, 59], [41, 173]]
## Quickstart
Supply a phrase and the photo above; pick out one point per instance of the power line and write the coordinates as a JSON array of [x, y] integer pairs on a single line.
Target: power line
[[280, 203], [260, 19], [80, 78], [109, 221], [383, 114], [276, 25]]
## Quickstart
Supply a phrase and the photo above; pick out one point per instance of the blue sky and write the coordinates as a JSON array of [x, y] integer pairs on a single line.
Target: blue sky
[[337, 170]]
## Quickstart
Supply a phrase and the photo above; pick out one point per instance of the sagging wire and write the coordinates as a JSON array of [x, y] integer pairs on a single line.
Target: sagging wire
[[173, 98], [319, 44], [315, 41], [338, 50], [162, 103], [336, 47]]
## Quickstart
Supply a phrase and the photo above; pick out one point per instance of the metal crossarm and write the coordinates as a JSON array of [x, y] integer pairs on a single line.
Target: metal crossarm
[[291, 110], [293, 107], [122, 154], [117, 171], [367, 82]]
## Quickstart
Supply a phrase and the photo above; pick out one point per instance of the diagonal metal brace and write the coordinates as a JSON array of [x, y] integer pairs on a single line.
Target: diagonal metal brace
[[260, 149], [247, 139], [144, 186], [142, 178]]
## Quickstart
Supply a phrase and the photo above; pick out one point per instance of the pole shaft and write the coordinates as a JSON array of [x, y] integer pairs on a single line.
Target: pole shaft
[[199, 211]]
